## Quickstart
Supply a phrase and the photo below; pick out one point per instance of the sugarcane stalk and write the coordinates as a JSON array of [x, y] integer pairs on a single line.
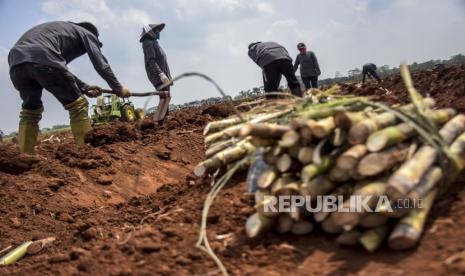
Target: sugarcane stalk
[[373, 220], [261, 142], [294, 151], [289, 139], [223, 158], [264, 130], [305, 155], [349, 159], [305, 130], [330, 226], [218, 125], [233, 131], [284, 224], [287, 189], [284, 163], [267, 178], [322, 128], [453, 128], [337, 174], [349, 238], [321, 185], [403, 180], [313, 170], [15, 254], [344, 191], [281, 182], [350, 219], [458, 149], [389, 136], [408, 231], [359, 132], [302, 227], [372, 238], [427, 183], [257, 224], [377, 162], [215, 148], [344, 120], [269, 157]]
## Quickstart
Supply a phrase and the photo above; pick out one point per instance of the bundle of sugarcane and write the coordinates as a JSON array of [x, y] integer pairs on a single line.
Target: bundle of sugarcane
[[346, 148]]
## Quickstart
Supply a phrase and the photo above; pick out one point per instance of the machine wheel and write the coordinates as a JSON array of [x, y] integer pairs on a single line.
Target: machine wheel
[[127, 113], [140, 114]]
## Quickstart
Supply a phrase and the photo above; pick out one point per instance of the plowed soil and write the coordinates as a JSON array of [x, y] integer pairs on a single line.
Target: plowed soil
[[128, 204]]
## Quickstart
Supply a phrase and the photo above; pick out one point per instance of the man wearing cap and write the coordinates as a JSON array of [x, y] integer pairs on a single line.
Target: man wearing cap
[[274, 61], [309, 68], [369, 70], [39, 61], [156, 63]]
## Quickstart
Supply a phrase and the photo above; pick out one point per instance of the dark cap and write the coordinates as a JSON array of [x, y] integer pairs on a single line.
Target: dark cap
[[301, 45]]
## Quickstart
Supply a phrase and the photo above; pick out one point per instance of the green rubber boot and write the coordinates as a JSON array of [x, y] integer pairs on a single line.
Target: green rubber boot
[[28, 129], [79, 119]]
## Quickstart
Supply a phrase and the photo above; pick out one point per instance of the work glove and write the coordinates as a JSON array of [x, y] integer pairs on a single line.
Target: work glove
[[93, 91], [125, 93], [164, 79]]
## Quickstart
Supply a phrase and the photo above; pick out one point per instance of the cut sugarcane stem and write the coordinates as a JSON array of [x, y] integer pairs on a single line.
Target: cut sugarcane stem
[[321, 185], [261, 142], [427, 183], [453, 128], [344, 120], [403, 180], [378, 162], [311, 171], [214, 149], [284, 224], [284, 163], [389, 136], [322, 128], [305, 155], [350, 219], [372, 239], [223, 158], [289, 139], [267, 178], [218, 125], [359, 132], [264, 130], [302, 227], [337, 174], [408, 231], [257, 224], [373, 220], [349, 159]]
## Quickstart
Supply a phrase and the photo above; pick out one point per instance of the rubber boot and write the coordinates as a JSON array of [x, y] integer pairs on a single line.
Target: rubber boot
[[28, 129], [79, 119]]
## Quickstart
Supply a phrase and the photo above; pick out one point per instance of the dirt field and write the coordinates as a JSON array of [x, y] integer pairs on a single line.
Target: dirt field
[[128, 204]]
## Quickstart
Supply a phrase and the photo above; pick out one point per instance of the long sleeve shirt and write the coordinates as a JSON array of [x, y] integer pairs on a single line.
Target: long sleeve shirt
[[309, 66], [263, 53], [155, 61], [58, 43]]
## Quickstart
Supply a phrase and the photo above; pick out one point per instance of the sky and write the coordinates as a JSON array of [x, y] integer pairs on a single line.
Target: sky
[[211, 36]]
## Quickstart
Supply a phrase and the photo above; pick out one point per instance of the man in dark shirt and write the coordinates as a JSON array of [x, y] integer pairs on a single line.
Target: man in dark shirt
[[369, 70], [309, 68], [39, 61], [275, 61], [155, 60]]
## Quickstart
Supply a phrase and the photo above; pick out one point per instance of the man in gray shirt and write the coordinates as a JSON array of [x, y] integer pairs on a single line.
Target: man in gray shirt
[[39, 61], [275, 61], [309, 68]]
